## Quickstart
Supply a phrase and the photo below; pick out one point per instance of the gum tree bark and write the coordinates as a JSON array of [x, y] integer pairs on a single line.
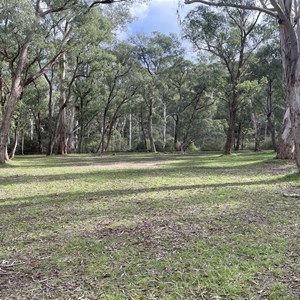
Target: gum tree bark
[[15, 93], [286, 147]]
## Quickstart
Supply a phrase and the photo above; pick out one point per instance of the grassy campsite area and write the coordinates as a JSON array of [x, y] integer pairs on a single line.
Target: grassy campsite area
[[149, 226]]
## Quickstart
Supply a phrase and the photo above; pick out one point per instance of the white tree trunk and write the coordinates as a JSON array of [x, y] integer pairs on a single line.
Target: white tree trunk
[[286, 147], [130, 131]]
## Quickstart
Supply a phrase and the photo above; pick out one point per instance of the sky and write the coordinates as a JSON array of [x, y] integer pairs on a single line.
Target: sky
[[158, 15]]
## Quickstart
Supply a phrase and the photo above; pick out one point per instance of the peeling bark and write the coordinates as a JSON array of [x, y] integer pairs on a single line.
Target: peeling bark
[[286, 147]]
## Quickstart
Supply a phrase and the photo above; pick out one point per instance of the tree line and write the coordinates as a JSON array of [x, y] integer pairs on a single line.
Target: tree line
[[67, 84]]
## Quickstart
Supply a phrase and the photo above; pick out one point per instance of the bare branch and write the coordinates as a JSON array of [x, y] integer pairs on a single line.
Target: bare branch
[[268, 11], [58, 9], [105, 2]]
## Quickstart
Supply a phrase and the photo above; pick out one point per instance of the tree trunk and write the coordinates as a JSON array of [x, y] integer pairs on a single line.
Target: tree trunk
[[150, 128], [286, 147], [230, 131], [63, 134], [271, 127], [289, 146], [14, 148], [256, 127], [295, 116], [16, 90], [38, 130], [238, 139], [51, 130], [165, 126], [176, 133], [71, 134], [9, 108], [130, 131], [22, 143], [270, 114]]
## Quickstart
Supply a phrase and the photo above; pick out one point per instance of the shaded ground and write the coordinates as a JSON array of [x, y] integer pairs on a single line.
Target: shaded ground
[[142, 226]]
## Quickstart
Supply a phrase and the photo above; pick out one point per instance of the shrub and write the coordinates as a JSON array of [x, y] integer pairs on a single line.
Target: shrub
[[192, 147], [215, 143], [159, 146], [267, 144], [169, 145], [141, 147]]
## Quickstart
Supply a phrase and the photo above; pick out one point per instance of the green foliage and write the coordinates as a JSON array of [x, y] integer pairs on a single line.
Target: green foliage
[[267, 144], [192, 147], [212, 135], [141, 147], [169, 145], [159, 146]]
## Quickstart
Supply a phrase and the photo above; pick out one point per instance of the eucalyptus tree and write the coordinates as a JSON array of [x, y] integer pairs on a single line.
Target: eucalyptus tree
[[25, 27], [118, 87], [155, 53], [34, 98], [287, 13], [85, 47], [231, 36], [266, 67], [187, 84]]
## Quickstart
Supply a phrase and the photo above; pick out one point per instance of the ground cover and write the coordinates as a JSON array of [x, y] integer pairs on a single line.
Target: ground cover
[[149, 226]]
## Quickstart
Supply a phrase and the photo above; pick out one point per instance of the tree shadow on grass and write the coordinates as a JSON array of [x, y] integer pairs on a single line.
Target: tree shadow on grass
[[138, 171], [63, 198], [34, 161]]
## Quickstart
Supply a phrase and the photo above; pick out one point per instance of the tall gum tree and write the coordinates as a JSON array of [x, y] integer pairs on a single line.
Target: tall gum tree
[[231, 36], [287, 12], [155, 53], [24, 25]]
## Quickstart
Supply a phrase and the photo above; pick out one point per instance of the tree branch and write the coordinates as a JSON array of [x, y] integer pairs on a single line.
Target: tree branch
[[268, 11], [105, 2]]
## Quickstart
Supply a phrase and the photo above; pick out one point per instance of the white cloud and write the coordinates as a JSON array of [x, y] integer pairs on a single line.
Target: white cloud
[[140, 10]]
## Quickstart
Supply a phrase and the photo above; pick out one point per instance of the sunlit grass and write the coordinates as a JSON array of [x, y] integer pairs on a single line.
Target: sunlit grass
[[143, 226]]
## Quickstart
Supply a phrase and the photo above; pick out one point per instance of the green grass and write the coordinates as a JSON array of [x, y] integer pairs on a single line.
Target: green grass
[[142, 226]]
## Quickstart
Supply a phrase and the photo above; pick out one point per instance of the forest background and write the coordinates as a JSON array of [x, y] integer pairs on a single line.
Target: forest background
[[71, 81]]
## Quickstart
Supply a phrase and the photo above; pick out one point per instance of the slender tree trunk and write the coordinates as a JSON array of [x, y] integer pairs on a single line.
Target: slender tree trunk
[[15, 144], [109, 135], [270, 115], [256, 128], [142, 127], [165, 126], [272, 131], [51, 130], [150, 128], [176, 133], [130, 131], [63, 134], [81, 133], [102, 140], [71, 135], [38, 129], [230, 131], [80, 141], [238, 139], [22, 143]]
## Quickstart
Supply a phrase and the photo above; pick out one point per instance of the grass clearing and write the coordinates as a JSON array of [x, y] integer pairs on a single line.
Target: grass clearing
[[144, 226]]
